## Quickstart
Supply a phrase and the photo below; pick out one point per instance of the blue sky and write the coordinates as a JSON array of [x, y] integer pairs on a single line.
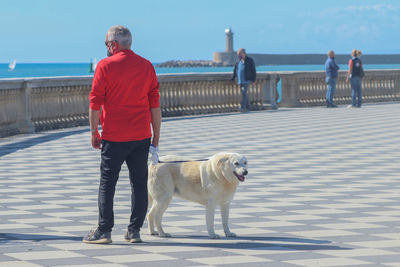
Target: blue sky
[[74, 31]]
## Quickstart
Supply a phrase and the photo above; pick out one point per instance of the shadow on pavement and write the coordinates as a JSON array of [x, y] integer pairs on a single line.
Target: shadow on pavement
[[4, 237], [212, 115], [243, 242], [251, 242], [10, 148]]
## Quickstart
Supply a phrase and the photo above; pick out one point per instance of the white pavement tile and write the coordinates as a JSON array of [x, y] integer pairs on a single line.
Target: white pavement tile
[[322, 211], [349, 226], [373, 219], [377, 244], [358, 252], [297, 217], [15, 226], [324, 233], [70, 214], [40, 220], [73, 228], [267, 224], [229, 260], [172, 248], [327, 262], [150, 257], [96, 265], [43, 255], [14, 212], [18, 264], [77, 246]]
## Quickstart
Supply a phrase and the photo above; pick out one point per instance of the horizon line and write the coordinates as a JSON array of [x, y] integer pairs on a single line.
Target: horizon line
[[250, 53]]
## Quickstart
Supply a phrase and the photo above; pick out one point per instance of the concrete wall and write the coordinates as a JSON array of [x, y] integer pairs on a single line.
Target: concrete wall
[[225, 58]]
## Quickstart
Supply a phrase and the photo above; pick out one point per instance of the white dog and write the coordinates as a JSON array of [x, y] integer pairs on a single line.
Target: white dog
[[210, 183]]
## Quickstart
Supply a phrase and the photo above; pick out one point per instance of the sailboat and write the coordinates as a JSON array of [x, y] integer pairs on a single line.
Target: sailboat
[[11, 66], [93, 65]]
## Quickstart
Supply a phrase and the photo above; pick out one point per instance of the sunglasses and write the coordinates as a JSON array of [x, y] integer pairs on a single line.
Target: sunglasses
[[110, 42]]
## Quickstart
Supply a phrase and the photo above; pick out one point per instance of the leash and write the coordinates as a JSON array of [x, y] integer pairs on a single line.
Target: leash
[[182, 161]]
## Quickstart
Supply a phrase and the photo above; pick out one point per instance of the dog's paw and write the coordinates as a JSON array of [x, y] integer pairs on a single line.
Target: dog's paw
[[164, 235], [214, 236], [230, 234]]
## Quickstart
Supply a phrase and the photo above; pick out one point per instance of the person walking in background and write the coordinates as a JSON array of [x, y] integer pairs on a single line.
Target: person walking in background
[[355, 74], [245, 72], [126, 89], [331, 69]]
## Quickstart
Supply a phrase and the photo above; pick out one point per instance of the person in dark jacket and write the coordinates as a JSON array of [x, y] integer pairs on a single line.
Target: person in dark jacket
[[245, 72], [331, 69]]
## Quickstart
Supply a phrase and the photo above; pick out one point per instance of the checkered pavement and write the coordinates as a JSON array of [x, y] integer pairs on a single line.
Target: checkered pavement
[[323, 190]]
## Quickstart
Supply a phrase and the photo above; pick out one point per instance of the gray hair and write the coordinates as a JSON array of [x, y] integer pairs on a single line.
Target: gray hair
[[242, 50], [120, 34]]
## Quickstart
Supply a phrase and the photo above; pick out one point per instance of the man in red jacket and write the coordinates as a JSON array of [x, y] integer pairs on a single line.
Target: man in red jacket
[[125, 94]]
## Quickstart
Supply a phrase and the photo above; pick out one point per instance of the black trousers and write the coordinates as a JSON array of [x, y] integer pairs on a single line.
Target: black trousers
[[113, 155]]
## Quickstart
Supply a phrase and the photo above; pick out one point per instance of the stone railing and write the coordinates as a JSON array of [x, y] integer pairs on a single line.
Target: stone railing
[[35, 104], [304, 89], [203, 93], [29, 105]]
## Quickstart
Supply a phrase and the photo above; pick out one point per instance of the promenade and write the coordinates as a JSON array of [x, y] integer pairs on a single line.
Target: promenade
[[323, 190]]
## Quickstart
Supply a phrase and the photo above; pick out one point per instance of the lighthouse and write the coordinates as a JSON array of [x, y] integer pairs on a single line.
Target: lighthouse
[[228, 57], [229, 40]]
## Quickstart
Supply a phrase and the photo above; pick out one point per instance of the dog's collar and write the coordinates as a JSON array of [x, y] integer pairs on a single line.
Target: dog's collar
[[181, 161]]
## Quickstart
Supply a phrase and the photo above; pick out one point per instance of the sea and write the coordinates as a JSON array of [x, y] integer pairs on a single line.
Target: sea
[[28, 70]]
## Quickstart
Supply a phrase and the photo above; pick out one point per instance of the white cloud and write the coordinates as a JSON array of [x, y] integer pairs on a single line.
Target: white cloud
[[365, 21], [344, 12], [378, 7]]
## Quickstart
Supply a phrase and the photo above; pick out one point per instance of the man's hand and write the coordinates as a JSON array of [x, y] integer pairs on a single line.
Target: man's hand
[[94, 116], [156, 125], [154, 154], [96, 140]]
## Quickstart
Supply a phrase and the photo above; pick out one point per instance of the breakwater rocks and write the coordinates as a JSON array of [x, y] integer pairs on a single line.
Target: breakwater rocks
[[191, 63]]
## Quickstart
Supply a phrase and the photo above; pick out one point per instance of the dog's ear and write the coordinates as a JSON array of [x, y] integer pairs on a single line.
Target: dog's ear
[[222, 160]]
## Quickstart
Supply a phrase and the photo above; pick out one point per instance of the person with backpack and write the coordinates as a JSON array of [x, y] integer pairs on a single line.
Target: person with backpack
[[355, 74]]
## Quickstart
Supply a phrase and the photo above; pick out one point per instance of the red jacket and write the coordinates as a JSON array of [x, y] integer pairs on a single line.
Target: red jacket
[[125, 86]]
